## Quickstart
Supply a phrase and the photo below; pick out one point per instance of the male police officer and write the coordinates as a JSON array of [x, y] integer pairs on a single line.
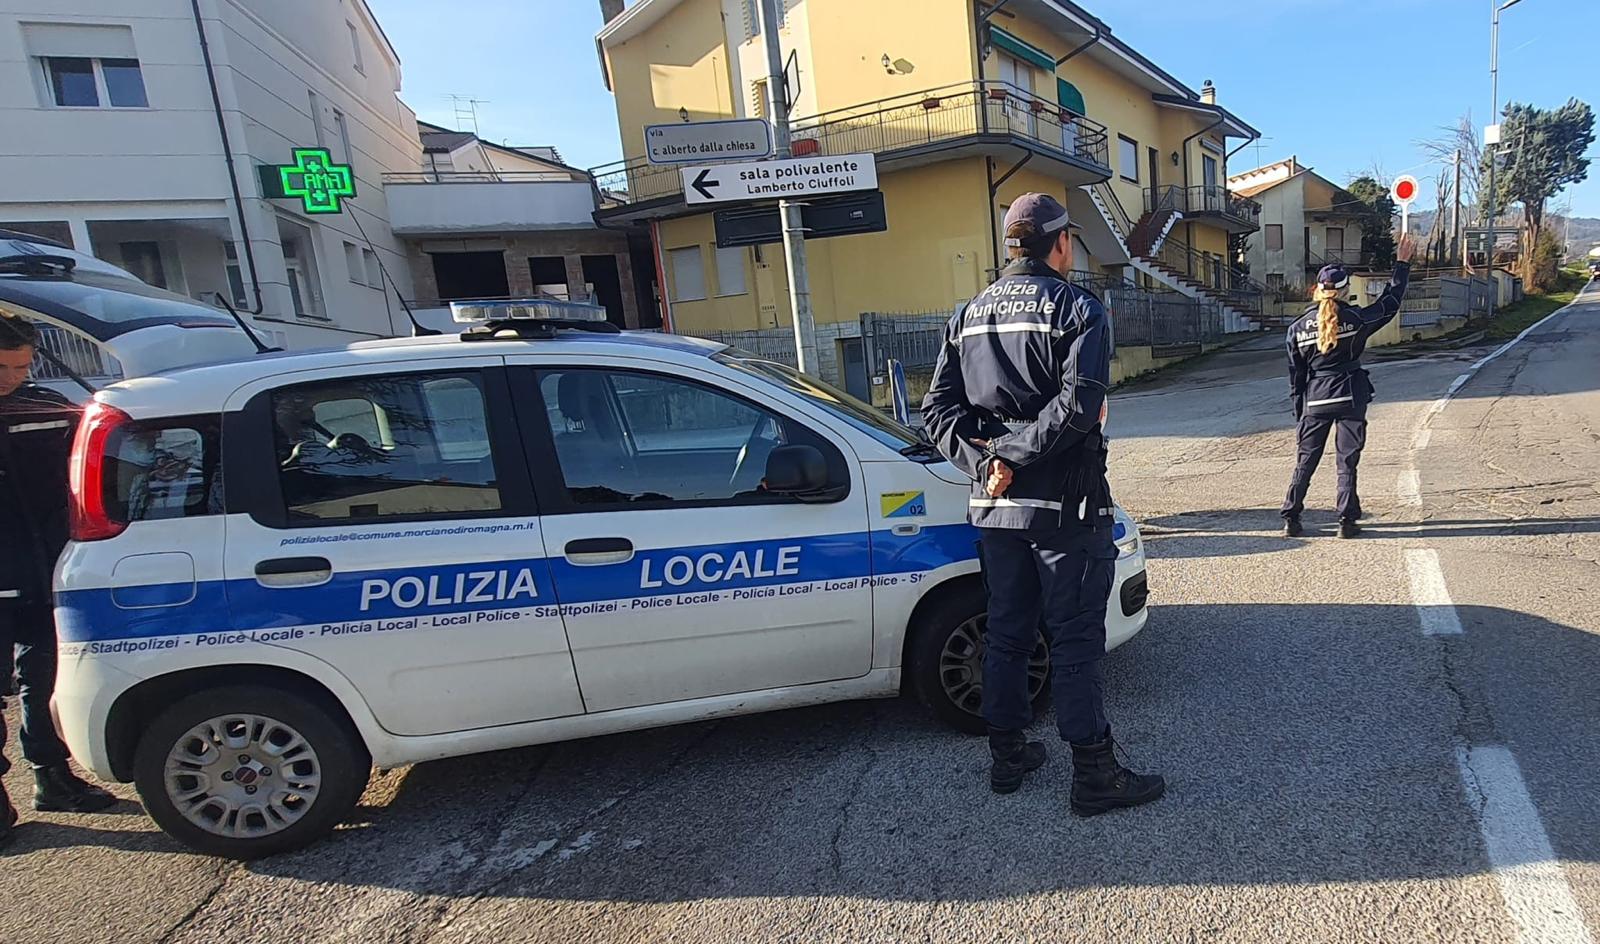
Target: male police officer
[[1016, 404], [36, 428]]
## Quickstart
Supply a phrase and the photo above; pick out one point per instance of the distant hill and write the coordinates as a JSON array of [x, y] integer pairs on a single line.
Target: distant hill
[[1585, 231]]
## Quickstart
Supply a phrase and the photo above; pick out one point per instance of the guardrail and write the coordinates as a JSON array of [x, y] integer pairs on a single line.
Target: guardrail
[[903, 122]]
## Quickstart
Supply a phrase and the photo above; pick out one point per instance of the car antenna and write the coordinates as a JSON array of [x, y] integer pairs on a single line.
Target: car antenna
[[261, 348], [49, 355], [418, 329]]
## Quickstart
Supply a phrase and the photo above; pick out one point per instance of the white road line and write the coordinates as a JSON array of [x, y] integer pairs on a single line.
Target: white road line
[[1409, 488], [1532, 884], [1430, 595], [1423, 437]]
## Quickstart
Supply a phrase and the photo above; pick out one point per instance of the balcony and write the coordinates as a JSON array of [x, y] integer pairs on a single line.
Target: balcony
[[1212, 203], [1349, 258], [965, 120], [427, 204]]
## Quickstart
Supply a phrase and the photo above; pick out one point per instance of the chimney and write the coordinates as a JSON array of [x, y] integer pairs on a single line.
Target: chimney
[[1208, 93], [611, 9]]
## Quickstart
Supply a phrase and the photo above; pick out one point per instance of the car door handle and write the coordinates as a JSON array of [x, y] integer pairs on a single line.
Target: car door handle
[[592, 552], [294, 571]]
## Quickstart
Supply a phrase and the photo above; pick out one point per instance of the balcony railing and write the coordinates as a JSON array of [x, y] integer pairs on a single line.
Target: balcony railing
[[903, 123], [1204, 200], [1214, 274], [1349, 258]]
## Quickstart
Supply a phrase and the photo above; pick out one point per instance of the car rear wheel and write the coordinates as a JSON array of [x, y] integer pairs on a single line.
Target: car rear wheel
[[248, 771], [946, 665]]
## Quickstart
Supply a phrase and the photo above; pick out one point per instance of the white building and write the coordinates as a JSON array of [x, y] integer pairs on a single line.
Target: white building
[[1307, 222], [118, 138]]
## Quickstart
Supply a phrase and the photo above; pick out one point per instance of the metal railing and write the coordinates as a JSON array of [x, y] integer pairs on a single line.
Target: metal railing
[[1344, 257], [913, 120], [1213, 273], [86, 358], [1113, 204], [1203, 200]]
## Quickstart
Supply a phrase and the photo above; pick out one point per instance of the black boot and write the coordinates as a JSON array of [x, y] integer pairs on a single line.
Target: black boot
[[1100, 784], [1348, 528], [58, 790], [1014, 756], [1292, 528], [8, 818]]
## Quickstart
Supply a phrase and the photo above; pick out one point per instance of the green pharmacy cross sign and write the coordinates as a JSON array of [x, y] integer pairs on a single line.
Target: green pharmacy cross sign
[[314, 178]]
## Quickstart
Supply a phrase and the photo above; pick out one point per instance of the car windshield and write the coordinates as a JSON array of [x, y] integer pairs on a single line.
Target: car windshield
[[862, 416], [116, 301]]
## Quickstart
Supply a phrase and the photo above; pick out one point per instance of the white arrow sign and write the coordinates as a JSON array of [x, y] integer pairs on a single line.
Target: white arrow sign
[[701, 141], [785, 179]]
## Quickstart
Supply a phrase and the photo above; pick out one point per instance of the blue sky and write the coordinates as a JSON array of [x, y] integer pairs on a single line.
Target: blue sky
[[1341, 85]]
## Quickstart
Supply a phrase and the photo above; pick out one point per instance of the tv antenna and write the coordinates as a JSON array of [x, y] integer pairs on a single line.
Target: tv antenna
[[466, 111]]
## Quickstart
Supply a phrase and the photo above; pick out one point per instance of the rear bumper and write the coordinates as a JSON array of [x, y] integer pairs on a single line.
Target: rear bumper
[[86, 688]]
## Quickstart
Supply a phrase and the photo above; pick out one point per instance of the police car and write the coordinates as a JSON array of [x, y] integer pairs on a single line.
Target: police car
[[287, 569]]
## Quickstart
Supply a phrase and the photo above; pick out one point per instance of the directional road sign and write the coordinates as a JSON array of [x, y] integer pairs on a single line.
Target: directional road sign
[[786, 179], [700, 141]]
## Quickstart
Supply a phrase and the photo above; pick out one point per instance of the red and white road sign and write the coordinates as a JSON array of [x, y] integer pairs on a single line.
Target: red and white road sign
[[1404, 190]]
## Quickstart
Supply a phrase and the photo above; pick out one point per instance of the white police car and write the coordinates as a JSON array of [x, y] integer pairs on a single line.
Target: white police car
[[288, 569]]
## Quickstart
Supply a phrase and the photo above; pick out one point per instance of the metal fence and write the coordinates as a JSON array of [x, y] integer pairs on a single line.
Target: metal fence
[[912, 338], [773, 344], [84, 357]]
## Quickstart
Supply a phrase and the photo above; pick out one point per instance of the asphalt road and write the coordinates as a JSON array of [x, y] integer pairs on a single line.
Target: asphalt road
[[1336, 774]]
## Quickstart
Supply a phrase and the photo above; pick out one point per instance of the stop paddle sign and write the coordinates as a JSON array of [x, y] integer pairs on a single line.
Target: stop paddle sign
[[1404, 189]]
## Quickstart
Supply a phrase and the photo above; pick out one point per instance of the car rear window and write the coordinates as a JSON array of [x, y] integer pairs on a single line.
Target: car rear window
[[167, 468]]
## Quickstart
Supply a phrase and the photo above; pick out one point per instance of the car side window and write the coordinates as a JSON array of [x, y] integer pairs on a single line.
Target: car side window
[[370, 448], [629, 438]]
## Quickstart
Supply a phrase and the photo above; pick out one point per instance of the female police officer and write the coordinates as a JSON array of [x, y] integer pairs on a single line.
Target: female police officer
[[1328, 387], [1015, 403]]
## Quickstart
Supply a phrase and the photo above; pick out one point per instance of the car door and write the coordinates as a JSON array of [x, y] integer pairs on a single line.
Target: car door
[[680, 577], [392, 533]]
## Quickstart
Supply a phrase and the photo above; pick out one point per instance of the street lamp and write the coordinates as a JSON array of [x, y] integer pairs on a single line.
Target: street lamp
[[1494, 115]]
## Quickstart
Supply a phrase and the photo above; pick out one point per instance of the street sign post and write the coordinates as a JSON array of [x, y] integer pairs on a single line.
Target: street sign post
[[1404, 190], [701, 141], [787, 179]]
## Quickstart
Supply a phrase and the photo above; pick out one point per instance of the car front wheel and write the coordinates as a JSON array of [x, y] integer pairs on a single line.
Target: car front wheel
[[946, 665], [248, 771]]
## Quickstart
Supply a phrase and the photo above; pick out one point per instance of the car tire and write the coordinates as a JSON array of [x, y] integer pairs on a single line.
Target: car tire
[[937, 676], [190, 798]]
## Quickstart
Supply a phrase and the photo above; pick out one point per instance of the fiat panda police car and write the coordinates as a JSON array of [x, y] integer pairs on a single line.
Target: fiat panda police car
[[287, 569]]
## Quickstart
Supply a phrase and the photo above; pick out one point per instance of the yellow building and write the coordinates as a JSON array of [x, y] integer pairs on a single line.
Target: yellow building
[[965, 107]]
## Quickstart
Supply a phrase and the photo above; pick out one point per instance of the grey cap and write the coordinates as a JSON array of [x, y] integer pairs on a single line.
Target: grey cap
[[1045, 212]]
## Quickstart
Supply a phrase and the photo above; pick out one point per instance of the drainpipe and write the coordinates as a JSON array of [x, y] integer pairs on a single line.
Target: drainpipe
[[227, 159], [1098, 35]]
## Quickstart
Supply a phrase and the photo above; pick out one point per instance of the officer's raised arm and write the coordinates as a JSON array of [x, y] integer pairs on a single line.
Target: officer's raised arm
[[1075, 411], [947, 414], [1378, 314]]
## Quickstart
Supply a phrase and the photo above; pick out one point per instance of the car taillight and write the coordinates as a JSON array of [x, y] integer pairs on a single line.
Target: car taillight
[[91, 519]]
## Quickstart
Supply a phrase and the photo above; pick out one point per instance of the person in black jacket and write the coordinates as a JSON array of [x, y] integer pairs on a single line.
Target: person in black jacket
[[1015, 403], [36, 429], [1328, 387]]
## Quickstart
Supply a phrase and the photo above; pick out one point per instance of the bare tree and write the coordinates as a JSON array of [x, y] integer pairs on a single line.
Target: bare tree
[[1463, 137]]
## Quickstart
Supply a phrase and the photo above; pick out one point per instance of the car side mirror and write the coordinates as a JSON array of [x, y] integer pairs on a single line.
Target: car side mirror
[[800, 471]]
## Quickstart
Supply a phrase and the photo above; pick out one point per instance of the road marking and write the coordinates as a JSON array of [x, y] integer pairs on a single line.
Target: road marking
[[1430, 595], [1410, 488], [1532, 884], [1423, 437]]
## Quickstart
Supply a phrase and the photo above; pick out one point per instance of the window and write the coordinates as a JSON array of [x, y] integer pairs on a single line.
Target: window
[[752, 18], [165, 468], [385, 447], [143, 259], [1274, 237], [549, 276], [1128, 158], [1208, 171], [688, 274], [730, 270], [230, 251], [1275, 281], [374, 271], [1335, 237], [300, 269], [352, 263], [355, 47], [632, 438], [344, 135], [79, 82]]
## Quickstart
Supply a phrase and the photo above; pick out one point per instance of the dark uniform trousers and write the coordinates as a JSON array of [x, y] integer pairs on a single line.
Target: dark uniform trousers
[[1058, 579], [28, 631], [1313, 440]]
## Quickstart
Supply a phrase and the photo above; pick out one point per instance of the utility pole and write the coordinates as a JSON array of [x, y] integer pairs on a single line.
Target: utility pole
[[1494, 115], [794, 236], [1455, 217]]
